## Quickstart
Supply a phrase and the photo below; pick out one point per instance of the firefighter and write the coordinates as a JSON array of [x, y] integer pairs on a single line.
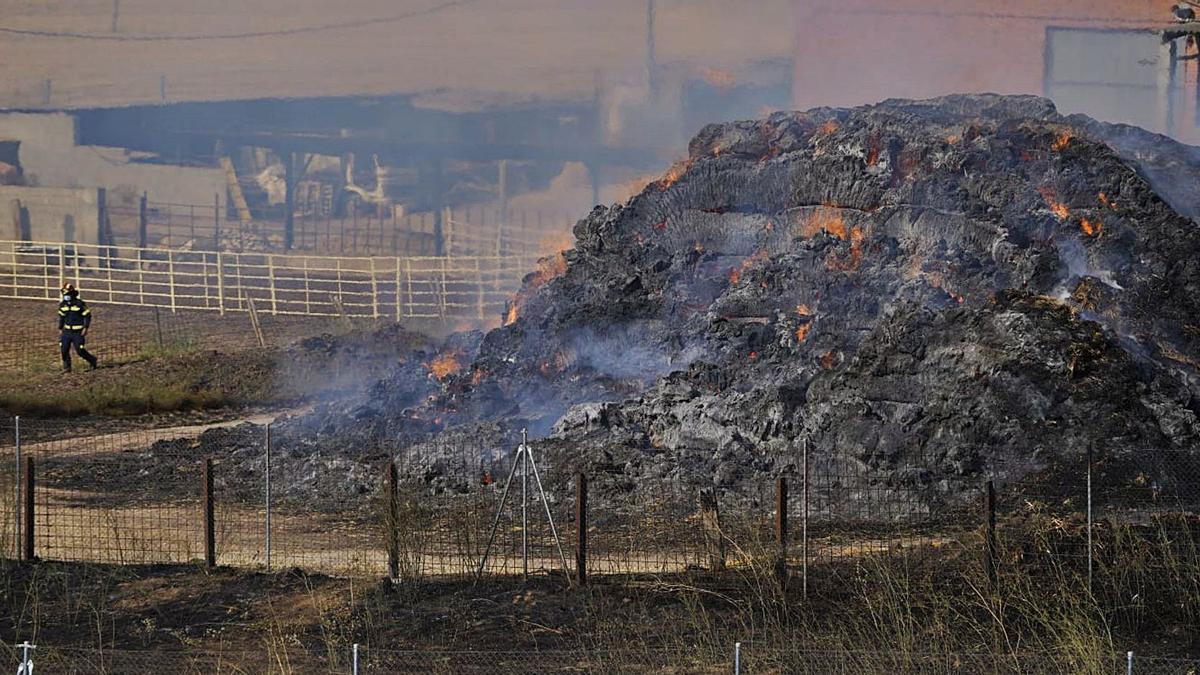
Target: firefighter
[[74, 319]]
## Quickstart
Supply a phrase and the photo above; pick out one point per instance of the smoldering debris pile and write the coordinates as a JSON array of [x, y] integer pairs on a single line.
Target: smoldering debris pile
[[970, 284]]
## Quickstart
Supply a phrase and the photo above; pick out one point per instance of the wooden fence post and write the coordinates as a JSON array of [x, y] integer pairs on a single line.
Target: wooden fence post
[[27, 486], [210, 530], [781, 524], [989, 515], [581, 528], [710, 520], [391, 517]]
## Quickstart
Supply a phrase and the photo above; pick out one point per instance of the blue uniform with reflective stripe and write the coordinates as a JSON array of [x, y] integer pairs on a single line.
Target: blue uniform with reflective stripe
[[74, 314], [74, 317]]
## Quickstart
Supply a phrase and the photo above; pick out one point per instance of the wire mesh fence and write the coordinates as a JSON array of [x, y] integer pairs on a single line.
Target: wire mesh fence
[[227, 495], [743, 658]]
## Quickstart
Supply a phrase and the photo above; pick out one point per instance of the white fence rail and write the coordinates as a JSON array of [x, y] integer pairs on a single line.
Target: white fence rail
[[409, 287]]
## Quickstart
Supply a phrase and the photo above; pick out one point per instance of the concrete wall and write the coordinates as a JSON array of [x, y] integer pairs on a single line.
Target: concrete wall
[[50, 214], [50, 158]]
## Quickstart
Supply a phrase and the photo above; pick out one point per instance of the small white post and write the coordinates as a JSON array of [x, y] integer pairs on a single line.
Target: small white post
[[26, 667], [220, 285], [398, 292], [1129, 662], [374, 291], [355, 658], [737, 658], [171, 277]]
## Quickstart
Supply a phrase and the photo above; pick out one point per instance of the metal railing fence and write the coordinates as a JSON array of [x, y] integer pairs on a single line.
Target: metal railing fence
[[400, 288]]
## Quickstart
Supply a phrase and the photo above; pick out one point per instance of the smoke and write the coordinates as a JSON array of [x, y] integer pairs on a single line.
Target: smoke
[[1072, 254], [622, 351], [861, 51]]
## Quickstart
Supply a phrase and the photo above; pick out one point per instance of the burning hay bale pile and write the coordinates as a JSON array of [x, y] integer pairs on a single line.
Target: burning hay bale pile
[[971, 284]]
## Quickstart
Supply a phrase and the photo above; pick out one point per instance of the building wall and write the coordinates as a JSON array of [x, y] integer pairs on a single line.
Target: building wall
[[51, 214], [850, 52], [50, 158]]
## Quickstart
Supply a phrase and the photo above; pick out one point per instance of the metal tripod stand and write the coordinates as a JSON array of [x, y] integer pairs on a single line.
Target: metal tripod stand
[[524, 460]]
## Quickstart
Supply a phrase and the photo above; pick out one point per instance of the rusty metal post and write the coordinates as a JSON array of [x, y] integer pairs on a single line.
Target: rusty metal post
[[581, 525], [210, 530], [27, 484], [391, 516], [804, 524], [781, 525], [989, 515]]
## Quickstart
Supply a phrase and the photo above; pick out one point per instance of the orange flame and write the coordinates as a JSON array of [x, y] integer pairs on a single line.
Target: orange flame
[[1058, 208], [735, 274], [1106, 201], [872, 150], [828, 128], [953, 140], [1090, 228], [548, 268], [445, 364], [802, 332], [826, 218], [803, 310], [674, 173], [1061, 141], [853, 260]]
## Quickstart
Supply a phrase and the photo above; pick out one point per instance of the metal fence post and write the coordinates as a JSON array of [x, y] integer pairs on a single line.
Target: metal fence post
[[28, 523], [210, 539], [804, 525], [781, 525], [737, 658], [17, 488], [581, 526], [374, 290], [354, 662], [143, 223], [989, 519], [220, 285], [391, 492], [1129, 662], [267, 499], [1089, 517]]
